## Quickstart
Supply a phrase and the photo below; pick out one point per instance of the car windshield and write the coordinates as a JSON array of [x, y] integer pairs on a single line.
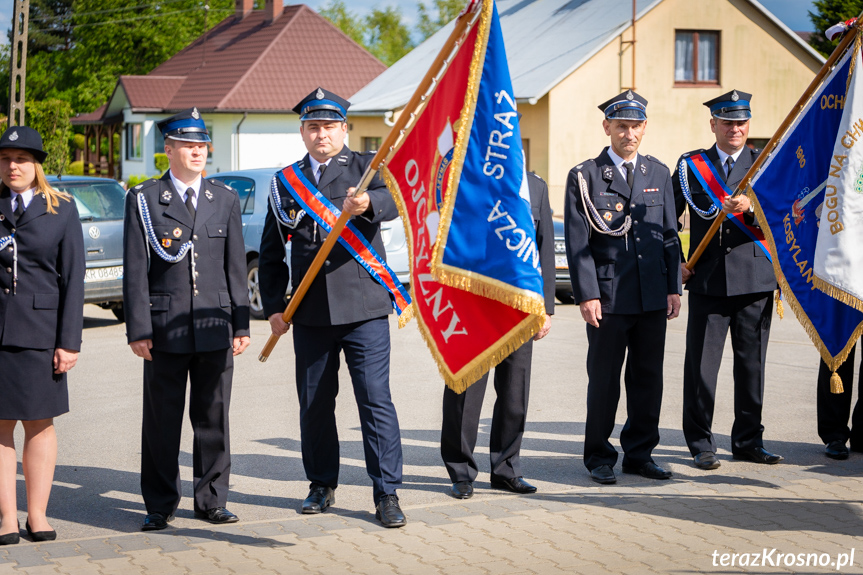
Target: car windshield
[[96, 201]]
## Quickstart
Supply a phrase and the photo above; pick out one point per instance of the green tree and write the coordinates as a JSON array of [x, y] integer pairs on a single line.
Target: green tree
[[387, 36], [827, 13], [51, 119], [352, 25], [447, 10]]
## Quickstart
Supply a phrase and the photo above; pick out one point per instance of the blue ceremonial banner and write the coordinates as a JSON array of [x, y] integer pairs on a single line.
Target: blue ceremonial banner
[[790, 194], [486, 238]]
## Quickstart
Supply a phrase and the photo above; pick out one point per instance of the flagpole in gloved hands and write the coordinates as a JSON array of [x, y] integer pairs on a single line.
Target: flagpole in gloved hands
[[409, 114], [850, 25]]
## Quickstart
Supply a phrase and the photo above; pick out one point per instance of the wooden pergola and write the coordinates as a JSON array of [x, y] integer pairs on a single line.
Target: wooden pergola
[[98, 129]]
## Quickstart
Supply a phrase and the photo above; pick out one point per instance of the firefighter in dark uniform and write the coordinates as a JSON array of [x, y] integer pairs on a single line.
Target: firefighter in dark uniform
[[345, 310], [732, 287], [834, 410], [461, 412], [187, 315], [624, 255]]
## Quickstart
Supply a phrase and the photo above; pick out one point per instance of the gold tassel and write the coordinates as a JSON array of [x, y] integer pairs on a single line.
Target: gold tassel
[[780, 309], [836, 384]]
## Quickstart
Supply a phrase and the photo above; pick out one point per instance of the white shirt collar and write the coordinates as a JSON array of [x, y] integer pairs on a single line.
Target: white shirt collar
[[181, 187], [26, 196], [723, 156], [316, 164], [618, 161]]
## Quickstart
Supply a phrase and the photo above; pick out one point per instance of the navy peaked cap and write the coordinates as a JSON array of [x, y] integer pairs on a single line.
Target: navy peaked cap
[[323, 105], [733, 105], [24, 138], [186, 126], [625, 106]]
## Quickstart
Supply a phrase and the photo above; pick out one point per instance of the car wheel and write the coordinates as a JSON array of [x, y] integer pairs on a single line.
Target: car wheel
[[256, 306], [119, 312], [564, 296]]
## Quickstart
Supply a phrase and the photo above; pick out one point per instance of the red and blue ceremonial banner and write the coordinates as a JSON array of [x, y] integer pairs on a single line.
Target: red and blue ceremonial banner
[[326, 214], [705, 172], [475, 281], [793, 197]]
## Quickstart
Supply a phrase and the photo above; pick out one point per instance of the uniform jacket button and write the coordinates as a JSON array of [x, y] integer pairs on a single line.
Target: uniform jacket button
[[326, 263], [9, 270], [727, 250], [195, 237], [639, 256], [6, 290]]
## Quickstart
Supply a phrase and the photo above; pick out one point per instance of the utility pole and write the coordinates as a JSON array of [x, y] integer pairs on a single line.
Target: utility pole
[[18, 62]]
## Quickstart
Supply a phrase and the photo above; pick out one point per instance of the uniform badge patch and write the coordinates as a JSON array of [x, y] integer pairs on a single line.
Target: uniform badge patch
[[608, 173], [578, 167], [209, 195], [166, 196], [139, 186], [734, 96], [607, 216], [643, 169], [195, 114], [178, 232], [647, 190], [618, 206], [629, 95], [343, 160], [166, 242], [319, 94]]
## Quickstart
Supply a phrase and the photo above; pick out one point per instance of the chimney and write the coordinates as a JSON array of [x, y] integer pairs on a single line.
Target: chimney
[[273, 9], [244, 7]]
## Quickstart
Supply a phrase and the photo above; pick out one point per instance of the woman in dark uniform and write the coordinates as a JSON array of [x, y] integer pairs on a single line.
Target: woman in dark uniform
[[41, 316]]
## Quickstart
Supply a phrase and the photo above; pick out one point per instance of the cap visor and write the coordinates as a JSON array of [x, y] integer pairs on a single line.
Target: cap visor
[[191, 137], [323, 115], [630, 114], [734, 115]]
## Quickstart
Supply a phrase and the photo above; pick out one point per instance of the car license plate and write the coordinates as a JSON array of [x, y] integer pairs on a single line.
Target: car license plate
[[103, 274], [560, 261]]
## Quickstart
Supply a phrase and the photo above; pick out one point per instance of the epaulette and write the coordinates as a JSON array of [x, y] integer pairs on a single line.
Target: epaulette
[[144, 185], [536, 176], [652, 159], [219, 184], [584, 163], [687, 154]]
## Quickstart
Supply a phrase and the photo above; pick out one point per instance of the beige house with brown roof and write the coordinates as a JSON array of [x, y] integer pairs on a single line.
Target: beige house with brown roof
[[244, 76], [568, 56]]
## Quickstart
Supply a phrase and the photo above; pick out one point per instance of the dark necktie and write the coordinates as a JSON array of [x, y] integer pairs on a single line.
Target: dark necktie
[[321, 169], [19, 207], [729, 165], [630, 174], [189, 204]]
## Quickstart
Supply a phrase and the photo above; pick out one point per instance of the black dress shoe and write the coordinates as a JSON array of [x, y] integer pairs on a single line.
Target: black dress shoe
[[603, 474], [156, 522], [757, 455], [462, 490], [217, 515], [706, 460], [38, 536], [320, 497], [836, 450], [389, 513], [11, 538], [649, 470], [514, 484]]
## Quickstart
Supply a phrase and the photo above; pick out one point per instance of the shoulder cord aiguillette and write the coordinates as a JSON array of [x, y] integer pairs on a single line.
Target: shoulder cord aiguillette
[[4, 243], [595, 220], [144, 212]]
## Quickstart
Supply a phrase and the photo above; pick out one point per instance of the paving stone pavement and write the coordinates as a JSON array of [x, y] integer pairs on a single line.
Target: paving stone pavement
[[808, 507]]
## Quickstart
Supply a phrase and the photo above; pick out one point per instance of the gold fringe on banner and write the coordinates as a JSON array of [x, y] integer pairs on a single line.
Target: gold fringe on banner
[[780, 309], [510, 342], [837, 293], [836, 384], [833, 362]]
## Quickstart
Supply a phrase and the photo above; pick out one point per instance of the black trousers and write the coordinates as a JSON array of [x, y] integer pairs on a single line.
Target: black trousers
[[367, 353], [710, 319], [209, 374], [643, 336], [835, 408], [461, 420]]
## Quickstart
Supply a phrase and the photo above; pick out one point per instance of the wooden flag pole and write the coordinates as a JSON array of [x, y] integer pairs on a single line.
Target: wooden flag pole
[[419, 97], [774, 141]]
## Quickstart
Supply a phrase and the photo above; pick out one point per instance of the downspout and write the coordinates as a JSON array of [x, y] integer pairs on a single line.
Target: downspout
[[245, 115]]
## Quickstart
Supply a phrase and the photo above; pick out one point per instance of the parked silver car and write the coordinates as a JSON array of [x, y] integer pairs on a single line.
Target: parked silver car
[[253, 186], [100, 205], [563, 284]]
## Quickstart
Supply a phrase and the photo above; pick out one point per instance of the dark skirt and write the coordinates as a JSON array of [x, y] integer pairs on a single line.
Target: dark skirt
[[29, 388]]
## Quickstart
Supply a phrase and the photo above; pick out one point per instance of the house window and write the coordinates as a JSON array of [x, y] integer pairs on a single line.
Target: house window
[[371, 144], [696, 57], [134, 141]]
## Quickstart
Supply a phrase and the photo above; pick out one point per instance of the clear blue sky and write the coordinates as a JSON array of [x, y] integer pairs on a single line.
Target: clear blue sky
[[793, 12]]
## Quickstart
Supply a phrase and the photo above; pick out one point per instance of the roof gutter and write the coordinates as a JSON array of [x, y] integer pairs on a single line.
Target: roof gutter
[[240, 123]]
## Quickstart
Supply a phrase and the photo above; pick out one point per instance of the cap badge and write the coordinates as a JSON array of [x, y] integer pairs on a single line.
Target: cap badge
[[166, 196], [607, 216], [618, 206], [13, 136], [195, 114], [209, 195], [178, 232], [319, 94], [629, 95], [734, 96]]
